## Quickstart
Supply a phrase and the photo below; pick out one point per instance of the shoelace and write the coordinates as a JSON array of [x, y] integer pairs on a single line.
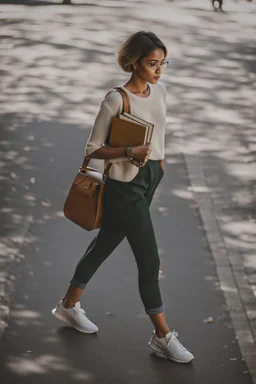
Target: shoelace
[[175, 342], [79, 311]]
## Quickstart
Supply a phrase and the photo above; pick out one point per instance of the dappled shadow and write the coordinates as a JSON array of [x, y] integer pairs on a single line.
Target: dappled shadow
[[214, 84], [31, 2], [216, 93], [76, 3], [17, 200], [37, 346]]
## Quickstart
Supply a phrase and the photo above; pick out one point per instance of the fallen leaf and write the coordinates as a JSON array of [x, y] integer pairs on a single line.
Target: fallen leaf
[[233, 358], [59, 214], [110, 314], [47, 263], [32, 180], [162, 209], [13, 175], [46, 203], [26, 149], [29, 351], [209, 320]]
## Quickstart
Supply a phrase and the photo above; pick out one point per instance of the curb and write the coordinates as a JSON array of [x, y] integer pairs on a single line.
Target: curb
[[228, 263]]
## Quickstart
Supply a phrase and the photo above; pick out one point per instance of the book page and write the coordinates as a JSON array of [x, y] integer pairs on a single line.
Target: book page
[[138, 119]]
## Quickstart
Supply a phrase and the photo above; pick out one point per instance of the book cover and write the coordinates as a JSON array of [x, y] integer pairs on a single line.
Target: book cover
[[126, 133], [143, 122]]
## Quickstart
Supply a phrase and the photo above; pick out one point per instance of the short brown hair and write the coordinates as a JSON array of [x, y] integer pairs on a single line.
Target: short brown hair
[[137, 46]]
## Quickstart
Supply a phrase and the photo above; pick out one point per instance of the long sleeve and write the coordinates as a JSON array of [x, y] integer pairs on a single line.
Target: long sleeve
[[151, 108], [110, 107]]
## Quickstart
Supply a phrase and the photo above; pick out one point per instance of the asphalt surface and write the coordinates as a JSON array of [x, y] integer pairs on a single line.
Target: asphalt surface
[[47, 124], [38, 348]]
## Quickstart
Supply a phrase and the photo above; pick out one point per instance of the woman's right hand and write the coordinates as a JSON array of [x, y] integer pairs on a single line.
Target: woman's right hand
[[141, 153]]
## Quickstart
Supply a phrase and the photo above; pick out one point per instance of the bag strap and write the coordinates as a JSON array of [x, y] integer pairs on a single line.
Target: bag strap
[[126, 108], [86, 162], [126, 100]]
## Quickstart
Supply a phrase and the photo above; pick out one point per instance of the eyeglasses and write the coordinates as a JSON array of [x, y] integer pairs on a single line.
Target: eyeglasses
[[156, 65]]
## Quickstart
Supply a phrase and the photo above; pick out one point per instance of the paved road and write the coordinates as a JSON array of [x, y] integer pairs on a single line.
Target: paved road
[[60, 68], [36, 347]]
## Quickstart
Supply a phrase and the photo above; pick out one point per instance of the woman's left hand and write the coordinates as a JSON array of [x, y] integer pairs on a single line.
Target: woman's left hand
[[162, 164]]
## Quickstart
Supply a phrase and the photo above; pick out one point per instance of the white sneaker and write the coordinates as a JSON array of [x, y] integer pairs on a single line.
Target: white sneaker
[[170, 347], [74, 316]]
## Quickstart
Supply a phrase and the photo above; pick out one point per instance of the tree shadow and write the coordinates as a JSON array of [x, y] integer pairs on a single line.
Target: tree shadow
[[29, 2], [49, 3]]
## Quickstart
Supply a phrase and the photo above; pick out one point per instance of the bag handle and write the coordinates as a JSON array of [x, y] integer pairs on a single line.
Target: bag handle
[[85, 165], [126, 108], [126, 100]]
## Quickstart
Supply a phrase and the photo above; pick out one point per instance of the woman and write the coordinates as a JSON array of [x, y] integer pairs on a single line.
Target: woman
[[133, 178]]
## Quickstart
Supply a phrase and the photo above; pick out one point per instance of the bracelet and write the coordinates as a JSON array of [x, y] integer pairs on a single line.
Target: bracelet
[[129, 153]]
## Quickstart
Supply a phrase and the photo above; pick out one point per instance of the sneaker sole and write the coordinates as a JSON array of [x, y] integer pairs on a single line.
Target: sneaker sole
[[61, 317], [159, 351]]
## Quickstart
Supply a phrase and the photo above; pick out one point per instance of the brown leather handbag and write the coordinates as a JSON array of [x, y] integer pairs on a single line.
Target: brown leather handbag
[[84, 203]]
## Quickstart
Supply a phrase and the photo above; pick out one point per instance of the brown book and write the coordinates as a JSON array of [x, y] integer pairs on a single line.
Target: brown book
[[129, 131], [142, 122]]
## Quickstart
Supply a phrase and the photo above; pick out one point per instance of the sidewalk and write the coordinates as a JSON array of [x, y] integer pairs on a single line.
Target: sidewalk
[[218, 139], [47, 54], [16, 205], [36, 347]]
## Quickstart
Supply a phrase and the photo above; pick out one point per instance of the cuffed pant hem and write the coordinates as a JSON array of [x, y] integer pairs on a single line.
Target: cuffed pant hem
[[76, 283], [155, 311]]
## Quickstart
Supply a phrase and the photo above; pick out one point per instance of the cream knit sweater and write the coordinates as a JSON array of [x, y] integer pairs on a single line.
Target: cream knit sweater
[[151, 108]]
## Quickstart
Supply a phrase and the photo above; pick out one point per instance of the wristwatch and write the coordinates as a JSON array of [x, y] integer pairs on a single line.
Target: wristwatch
[[129, 153]]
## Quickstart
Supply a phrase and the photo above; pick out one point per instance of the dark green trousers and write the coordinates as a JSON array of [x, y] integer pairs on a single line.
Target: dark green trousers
[[126, 214]]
